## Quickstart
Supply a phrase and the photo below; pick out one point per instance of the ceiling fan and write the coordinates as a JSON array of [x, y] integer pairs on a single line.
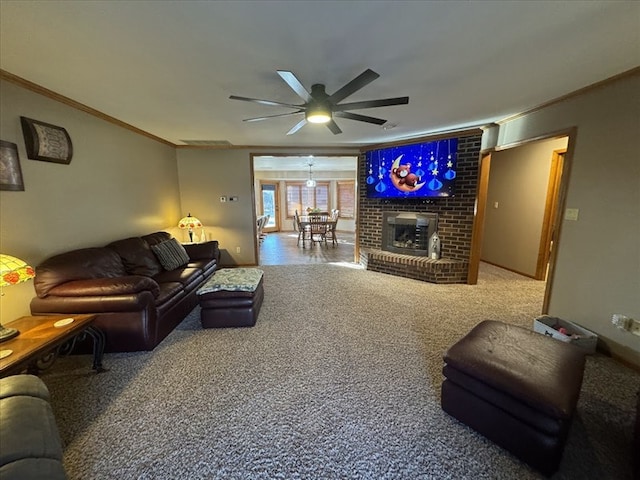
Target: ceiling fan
[[320, 107]]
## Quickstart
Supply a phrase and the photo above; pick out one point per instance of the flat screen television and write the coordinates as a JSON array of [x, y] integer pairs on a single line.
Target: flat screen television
[[420, 170]]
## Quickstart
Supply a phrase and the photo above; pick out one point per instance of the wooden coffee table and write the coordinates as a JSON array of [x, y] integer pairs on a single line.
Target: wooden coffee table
[[43, 337]]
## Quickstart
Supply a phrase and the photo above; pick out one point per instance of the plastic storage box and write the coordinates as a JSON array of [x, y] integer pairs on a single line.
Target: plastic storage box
[[575, 334]]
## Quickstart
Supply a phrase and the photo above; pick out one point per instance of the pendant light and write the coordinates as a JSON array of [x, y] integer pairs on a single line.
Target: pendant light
[[311, 183]]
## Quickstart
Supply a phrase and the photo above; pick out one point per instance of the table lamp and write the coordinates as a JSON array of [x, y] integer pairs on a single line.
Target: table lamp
[[12, 271], [190, 223]]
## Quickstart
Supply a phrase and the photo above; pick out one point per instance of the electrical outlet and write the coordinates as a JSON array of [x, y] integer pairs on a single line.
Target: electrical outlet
[[621, 321], [634, 326], [237, 249]]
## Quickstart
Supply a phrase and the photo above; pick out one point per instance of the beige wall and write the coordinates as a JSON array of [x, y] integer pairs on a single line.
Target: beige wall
[[118, 184], [205, 176], [598, 266], [518, 182]]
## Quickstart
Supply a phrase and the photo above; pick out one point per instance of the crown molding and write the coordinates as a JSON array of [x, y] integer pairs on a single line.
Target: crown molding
[[571, 95], [34, 87]]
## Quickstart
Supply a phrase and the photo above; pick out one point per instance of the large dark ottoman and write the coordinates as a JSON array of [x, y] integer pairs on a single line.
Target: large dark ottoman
[[232, 297], [517, 388]]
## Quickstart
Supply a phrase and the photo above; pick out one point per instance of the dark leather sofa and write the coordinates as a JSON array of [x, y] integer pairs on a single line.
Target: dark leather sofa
[[137, 302], [30, 446]]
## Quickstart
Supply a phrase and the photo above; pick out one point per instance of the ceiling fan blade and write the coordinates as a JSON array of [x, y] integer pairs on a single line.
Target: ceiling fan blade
[[333, 126], [295, 84], [385, 102], [365, 78], [257, 119], [360, 118], [297, 126], [265, 102]]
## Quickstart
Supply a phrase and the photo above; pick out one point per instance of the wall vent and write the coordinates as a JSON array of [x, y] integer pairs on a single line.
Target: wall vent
[[207, 143]]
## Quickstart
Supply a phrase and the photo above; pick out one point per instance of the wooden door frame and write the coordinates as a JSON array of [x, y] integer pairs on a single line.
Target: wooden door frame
[[550, 210], [481, 204], [277, 204]]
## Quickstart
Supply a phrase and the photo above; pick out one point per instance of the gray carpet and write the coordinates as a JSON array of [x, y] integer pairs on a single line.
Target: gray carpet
[[339, 379]]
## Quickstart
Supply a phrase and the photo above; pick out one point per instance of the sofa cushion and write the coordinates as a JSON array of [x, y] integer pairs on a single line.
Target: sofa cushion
[[171, 254], [156, 238], [86, 263], [186, 276], [137, 257], [202, 251], [170, 292]]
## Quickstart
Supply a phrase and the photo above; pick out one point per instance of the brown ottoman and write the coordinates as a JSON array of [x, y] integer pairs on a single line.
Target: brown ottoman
[[517, 388], [231, 298]]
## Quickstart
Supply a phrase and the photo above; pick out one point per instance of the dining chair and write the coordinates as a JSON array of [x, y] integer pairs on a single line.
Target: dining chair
[[332, 227], [303, 231], [261, 224], [318, 228]]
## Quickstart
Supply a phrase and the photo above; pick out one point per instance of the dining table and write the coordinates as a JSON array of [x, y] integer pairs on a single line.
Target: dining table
[[324, 223]]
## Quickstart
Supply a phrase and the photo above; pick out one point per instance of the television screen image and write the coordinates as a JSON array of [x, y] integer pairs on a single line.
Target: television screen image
[[420, 170]]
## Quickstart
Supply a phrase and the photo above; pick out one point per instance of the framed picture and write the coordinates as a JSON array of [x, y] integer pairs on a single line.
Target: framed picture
[[10, 171], [46, 142]]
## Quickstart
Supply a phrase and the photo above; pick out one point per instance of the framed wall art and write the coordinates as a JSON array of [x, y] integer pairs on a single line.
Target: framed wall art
[[46, 142], [10, 171]]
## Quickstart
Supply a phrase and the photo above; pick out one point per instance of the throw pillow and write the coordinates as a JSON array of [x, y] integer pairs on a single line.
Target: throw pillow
[[171, 254]]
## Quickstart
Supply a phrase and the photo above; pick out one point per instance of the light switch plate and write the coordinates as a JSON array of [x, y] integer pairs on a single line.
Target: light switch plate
[[571, 214]]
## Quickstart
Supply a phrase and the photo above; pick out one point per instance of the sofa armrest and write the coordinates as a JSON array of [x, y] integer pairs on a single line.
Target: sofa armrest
[[31, 446], [107, 286], [17, 385], [130, 302], [203, 251]]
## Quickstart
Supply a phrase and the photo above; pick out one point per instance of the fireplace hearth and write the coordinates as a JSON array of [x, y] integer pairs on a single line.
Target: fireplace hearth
[[408, 232]]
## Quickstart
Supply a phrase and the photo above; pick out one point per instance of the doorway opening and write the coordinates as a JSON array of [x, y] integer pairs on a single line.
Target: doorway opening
[[284, 184], [520, 200]]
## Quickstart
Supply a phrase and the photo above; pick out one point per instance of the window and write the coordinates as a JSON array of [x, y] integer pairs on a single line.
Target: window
[[347, 199], [300, 197]]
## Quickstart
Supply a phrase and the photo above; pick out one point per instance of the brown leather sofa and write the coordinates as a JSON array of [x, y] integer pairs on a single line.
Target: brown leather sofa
[[137, 302]]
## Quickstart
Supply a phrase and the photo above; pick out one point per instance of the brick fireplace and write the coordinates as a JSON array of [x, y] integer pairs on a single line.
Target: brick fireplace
[[454, 223]]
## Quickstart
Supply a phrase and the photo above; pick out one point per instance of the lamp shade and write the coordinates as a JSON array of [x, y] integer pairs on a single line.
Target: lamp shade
[[189, 222], [14, 271], [318, 113]]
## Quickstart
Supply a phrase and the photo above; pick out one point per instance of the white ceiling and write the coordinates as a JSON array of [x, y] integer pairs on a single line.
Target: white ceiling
[[168, 67]]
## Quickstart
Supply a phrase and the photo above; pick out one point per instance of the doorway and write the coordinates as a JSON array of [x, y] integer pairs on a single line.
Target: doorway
[[270, 205], [284, 183], [520, 199]]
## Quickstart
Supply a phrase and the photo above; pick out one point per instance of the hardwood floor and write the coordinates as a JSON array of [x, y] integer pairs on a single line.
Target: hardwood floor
[[280, 248]]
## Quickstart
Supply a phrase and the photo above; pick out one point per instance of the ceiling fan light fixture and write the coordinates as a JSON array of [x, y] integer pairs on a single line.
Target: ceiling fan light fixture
[[318, 113], [319, 107]]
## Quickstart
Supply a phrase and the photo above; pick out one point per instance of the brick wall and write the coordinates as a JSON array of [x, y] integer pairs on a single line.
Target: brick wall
[[455, 218]]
